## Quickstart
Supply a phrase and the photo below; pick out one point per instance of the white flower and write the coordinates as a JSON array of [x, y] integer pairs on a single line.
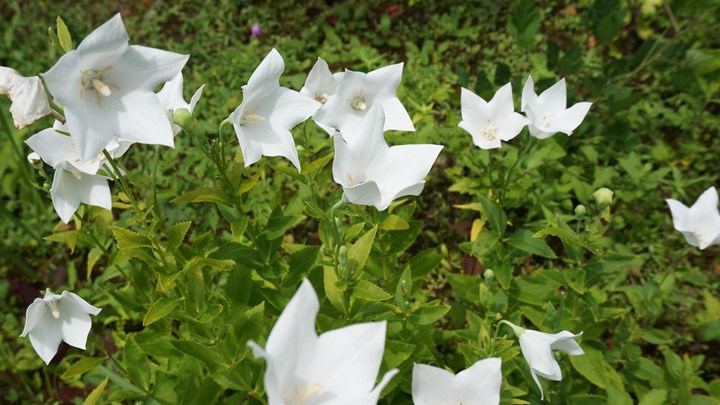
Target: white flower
[[107, 89], [699, 224], [490, 122], [320, 85], [171, 97], [57, 317], [267, 113], [27, 94], [75, 180], [371, 172], [357, 92], [548, 113], [477, 385], [537, 349], [338, 367]]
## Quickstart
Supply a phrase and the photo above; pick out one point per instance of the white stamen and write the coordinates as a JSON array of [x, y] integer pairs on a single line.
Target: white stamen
[[54, 309], [322, 98], [91, 79], [490, 132], [303, 395]]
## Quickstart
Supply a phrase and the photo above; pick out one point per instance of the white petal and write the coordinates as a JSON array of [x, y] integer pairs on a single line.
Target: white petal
[[403, 170], [110, 35], [320, 81], [143, 68], [347, 360], [511, 126], [567, 343], [502, 103], [46, 336], [171, 94], [195, 98], [567, 120], [480, 384], [33, 315], [554, 99], [91, 126], [707, 203], [292, 108], [386, 79], [266, 75], [81, 304], [143, 120], [529, 97], [262, 139], [434, 386], [366, 193], [475, 111], [76, 323], [27, 94], [54, 148], [535, 348], [65, 200], [396, 117]]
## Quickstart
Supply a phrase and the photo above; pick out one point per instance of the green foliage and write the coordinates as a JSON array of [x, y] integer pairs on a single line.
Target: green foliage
[[201, 254]]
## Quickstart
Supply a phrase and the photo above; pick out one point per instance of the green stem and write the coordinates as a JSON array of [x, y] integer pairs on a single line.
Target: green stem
[[336, 232], [527, 146]]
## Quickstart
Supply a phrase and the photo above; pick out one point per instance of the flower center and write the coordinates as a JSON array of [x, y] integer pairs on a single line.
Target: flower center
[[490, 132], [546, 120], [358, 102], [303, 395], [92, 79], [702, 236], [322, 98], [53, 308], [249, 117]]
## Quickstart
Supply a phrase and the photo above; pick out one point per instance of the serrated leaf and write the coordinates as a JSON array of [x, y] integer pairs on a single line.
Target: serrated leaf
[[96, 393], [63, 35], [370, 292], [204, 194], [332, 292], [428, 313], [127, 239], [359, 251], [524, 240], [82, 366], [159, 310], [176, 234]]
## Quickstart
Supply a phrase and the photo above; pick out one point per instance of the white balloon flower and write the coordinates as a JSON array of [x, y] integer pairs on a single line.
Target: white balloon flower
[[493, 121], [29, 101], [371, 172], [268, 112], [55, 318], [107, 90], [699, 224], [320, 85], [338, 367], [477, 385], [171, 97], [548, 113], [357, 92]]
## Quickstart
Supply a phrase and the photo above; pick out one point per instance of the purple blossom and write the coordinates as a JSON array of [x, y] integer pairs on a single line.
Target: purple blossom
[[256, 30]]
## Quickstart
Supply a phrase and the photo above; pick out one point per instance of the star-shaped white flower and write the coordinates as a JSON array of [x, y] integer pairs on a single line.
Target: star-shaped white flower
[[477, 385], [699, 224], [371, 172], [75, 180], [320, 85], [357, 92], [268, 112], [107, 90], [490, 122], [29, 101], [171, 97], [537, 349], [57, 317], [338, 367], [548, 113]]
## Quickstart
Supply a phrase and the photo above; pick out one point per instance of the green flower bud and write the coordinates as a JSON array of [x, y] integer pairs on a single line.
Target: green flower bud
[[603, 196], [580, 211], [184, 119], [489, 274], [342, 255]]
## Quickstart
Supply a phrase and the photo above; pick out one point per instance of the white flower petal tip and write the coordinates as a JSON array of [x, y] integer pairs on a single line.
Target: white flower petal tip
[[56, 318], [547, 113], [357, 92], [27, 94], [107, 90], [489, 123], [537, 349], [268, 112], [339, 366], [371, 172], [699, 224], [478, 385], [171, 98]]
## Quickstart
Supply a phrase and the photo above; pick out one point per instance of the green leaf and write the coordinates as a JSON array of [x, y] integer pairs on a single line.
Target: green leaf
[[68, 237], [359, 251], [369, 291], [396, 353], [428, 313], [82, 366], [318, 163], [176, 235], [278, 225], [95, 394], [524, 240], [652, 397], [209, 356], [591, 365], [127, 239], [204, 194], [333, 293], [302, 261], [92, 258], [494, 215], [709, 331], [394, 223], [64, 35], [159, 310], [404, 289]]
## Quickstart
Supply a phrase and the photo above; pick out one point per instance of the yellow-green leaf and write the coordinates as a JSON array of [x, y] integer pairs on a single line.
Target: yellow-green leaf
[[159, 310], [95, 394], [64, 35], [82, 366]]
